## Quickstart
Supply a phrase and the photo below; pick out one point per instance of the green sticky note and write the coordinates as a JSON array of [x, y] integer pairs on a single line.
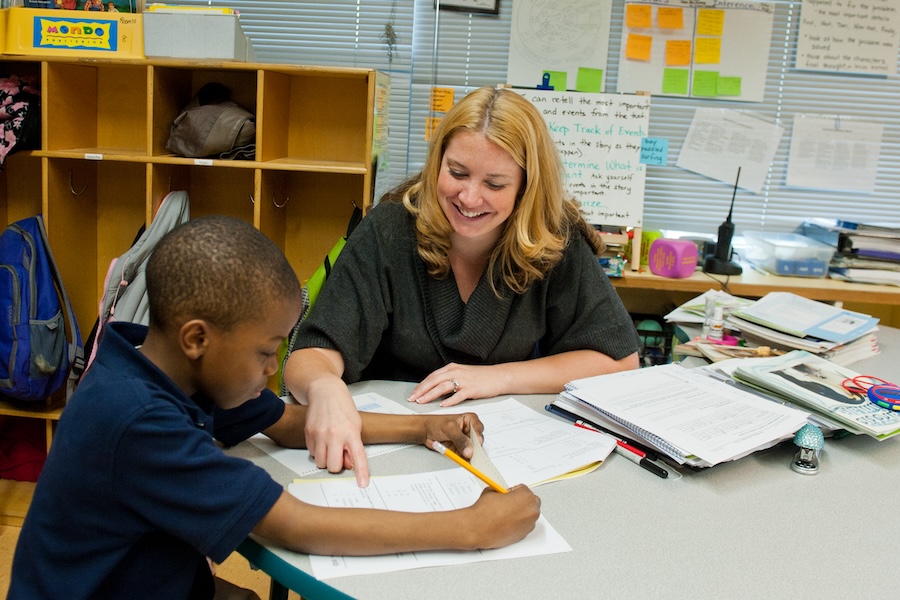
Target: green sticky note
[[675, 81], [558, 80], [729, 86], [705, 83], [589, 80]]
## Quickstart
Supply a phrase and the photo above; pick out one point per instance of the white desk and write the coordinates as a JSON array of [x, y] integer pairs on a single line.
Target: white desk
[[747, 529]]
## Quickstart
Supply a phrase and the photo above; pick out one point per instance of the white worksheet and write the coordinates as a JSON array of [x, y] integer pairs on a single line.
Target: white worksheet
[[528, 447], [300, 462], [420, 492]]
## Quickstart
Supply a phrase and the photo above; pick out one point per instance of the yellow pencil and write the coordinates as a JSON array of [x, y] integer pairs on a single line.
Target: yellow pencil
[[467, 466]]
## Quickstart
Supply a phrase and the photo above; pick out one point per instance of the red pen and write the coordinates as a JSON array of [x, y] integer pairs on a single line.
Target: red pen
[[635, 455]]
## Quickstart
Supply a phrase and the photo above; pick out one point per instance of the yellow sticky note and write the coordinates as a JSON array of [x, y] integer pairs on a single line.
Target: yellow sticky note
[[728, 86], [431, 125], [669, 17], [639, 15], [708, 51], [558, 80], [706, 83], [441, 99], [678, 53], [589, 80], [638, 47], [675, 82], [710, 21]]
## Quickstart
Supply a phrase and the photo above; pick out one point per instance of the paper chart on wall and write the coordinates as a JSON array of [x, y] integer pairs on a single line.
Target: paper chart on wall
[[599, 138], [711, 49], [300, 461], [557, 35]]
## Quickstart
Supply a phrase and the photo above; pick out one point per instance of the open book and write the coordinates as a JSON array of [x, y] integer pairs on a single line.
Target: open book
[[816, 383], [692, 418]]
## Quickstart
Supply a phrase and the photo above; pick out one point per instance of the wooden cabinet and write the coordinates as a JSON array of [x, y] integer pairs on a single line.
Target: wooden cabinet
[[103, 168]]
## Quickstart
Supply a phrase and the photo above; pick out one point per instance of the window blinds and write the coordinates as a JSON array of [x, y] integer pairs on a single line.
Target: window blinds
[[464, 51]]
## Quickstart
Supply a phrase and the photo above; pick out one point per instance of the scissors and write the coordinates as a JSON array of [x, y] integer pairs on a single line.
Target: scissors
[[883, 393]]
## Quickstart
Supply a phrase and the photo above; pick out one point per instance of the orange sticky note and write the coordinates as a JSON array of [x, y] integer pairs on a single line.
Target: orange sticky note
[[638, 47], [678, 53], [639, 15], [431, 125], [708, 51], [710, 21], [670, 17], [441, 99]]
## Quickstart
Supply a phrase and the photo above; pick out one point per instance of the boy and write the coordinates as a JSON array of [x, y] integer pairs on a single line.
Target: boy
[[135, 493]]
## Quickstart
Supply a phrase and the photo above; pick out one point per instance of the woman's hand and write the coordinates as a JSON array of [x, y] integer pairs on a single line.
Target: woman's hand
[[458, 383], [453, 432]]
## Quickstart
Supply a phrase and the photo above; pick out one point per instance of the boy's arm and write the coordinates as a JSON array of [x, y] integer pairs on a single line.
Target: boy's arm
[[288, 431], [494, 521]]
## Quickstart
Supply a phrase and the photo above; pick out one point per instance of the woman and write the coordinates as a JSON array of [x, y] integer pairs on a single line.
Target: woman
[[478, 277]]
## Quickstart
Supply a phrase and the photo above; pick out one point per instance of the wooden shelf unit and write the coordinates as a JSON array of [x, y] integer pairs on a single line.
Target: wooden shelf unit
[[102, 168]]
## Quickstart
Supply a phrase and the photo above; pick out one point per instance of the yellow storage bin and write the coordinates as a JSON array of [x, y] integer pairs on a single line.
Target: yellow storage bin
[[73, 33]]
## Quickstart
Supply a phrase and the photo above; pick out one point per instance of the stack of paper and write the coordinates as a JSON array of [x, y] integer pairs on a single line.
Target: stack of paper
[[683, 413], [788, 321], [816, 384]]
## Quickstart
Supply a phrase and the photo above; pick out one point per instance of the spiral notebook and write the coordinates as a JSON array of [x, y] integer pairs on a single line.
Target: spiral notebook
[[692, 418]]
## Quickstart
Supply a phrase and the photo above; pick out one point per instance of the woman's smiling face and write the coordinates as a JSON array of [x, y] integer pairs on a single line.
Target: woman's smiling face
[[477, 186]]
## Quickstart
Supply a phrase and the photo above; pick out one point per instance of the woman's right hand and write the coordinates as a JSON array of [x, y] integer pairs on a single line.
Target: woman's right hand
[[503, 519]]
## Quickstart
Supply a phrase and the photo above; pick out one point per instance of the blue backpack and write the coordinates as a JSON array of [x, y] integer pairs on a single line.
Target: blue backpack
[[35, 355]]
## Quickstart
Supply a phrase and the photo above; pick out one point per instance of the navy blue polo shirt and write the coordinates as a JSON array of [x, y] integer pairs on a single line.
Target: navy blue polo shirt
[[135, 493]]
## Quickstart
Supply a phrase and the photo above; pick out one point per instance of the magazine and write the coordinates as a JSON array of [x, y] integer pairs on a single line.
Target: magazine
[[816, 384]]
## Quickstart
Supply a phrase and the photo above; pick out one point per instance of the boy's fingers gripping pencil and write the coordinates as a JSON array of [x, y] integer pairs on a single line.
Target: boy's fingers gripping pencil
[[439, 447]]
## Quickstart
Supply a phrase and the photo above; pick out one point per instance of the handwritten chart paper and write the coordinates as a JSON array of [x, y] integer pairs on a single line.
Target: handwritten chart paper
[[849, 36], [420, 492], [557, 35], [599, 140], [834, 153]]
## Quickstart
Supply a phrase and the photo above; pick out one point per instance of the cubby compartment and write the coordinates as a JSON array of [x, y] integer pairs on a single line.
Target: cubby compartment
[[314, 118], [174, 87], [220, 191], [94, 211], [20, 188], [306, 213], [96, 108]]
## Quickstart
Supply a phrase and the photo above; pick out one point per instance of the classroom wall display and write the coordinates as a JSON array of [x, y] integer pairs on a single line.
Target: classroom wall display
[[849, 36], [568, 38], [713, 49], [599, 139]]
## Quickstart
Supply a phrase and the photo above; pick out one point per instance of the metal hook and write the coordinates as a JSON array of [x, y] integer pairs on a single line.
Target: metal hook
[[286, 200], [72, 186], [252, 201]]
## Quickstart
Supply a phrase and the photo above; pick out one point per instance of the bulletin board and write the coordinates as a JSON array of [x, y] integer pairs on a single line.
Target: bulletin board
[[714, 49], [599, 138]]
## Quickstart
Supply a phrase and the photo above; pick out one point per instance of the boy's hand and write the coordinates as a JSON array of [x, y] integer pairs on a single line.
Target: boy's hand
[[453, 431], [503, 519]]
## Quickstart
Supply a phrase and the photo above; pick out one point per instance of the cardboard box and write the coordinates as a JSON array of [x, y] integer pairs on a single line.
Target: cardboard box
[[33, 31], [188, 34]]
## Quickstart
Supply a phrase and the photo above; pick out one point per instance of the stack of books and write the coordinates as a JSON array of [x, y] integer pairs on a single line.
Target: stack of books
[[864, 253], [790, 322], [816, 384]]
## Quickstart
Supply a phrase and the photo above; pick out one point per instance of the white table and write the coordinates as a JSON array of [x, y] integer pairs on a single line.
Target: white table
[[747, 529]]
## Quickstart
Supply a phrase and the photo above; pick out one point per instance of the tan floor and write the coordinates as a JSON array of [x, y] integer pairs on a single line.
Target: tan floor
[[235, 569]]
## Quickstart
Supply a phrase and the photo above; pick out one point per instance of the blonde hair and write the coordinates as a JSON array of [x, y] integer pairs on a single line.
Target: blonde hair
[[544, 215]]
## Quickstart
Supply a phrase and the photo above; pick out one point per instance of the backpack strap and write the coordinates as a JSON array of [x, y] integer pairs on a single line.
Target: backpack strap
[[76, 351]]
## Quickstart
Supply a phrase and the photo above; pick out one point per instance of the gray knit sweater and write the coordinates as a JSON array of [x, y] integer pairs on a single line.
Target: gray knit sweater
[[390, 320]]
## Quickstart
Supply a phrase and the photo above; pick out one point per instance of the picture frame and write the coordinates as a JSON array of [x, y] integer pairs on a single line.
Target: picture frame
[[490, 7]]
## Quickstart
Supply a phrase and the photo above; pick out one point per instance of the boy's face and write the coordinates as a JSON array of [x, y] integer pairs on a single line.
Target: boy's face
[[237, 364]]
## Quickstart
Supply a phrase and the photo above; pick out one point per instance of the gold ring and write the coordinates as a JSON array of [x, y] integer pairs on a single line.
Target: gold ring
[[455, 385]]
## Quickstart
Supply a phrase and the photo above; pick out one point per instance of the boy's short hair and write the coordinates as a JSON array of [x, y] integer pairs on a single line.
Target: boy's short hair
[[219, 269]]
